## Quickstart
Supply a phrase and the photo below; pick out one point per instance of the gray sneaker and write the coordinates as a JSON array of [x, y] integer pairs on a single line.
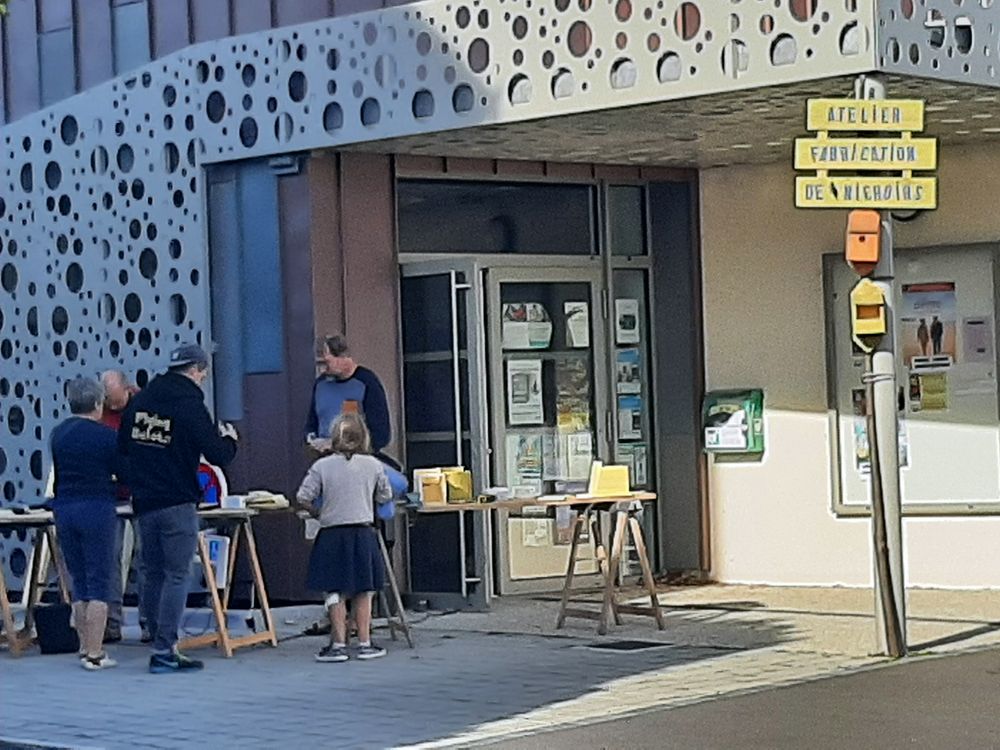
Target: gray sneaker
[[371, 651], [332, 654]]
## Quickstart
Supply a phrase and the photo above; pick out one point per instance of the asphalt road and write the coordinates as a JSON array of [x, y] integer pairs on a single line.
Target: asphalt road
[[938, 703]]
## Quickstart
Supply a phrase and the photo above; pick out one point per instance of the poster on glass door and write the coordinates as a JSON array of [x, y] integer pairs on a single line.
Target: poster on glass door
[[524, 392]]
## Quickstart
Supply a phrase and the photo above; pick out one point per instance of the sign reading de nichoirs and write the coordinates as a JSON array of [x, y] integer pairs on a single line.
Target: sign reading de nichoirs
[[872, 171]]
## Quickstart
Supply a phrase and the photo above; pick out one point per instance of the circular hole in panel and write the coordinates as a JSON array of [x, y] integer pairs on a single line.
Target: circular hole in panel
[[178, 309], [125, 158], [520, 27], [423, 104], [248, 132], [463, 98], [69, 130], [74, 277], [371, 112], [463, 17], [803, 10], [132, 307], [333, 117], [53, 175], [669, 68], [297, 86], [479, 55], [169, 95], [106, 308], [623, 10], [15, 421], [147, 263], [27, 178], [249, 75], [60, 320], [579, 38], [8, 277], [215, 106], [687, 21], [35, 464]]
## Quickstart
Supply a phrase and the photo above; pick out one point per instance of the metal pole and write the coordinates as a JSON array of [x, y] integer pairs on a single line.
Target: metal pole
[[883, 444]]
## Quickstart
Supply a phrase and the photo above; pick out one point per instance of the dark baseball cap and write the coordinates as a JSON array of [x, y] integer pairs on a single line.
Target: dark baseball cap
[[186, 355]]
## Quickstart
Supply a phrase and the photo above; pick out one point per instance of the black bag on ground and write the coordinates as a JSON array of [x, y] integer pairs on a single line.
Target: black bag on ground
[[55, 636]]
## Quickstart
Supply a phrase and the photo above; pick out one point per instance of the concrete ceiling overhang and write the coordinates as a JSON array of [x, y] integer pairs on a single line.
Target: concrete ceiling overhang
[[745, 127]]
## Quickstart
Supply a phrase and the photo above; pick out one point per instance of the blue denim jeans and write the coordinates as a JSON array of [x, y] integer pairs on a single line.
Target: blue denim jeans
[[169, 540], [86, 530]]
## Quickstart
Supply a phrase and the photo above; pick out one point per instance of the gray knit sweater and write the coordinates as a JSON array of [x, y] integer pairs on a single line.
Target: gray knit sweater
[[346, 488]]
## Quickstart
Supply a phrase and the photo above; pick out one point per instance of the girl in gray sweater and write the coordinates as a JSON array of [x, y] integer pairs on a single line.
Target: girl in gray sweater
[[341, 490]]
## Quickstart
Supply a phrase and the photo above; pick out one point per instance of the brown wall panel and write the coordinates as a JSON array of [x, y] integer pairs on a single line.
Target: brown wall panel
[[469, 167], [667, 174], [21, 63], [613, 172], [569, 172], [251, 15], [327, 256], [289, 12], [171, 25], [54, 14], [209, 20], [419, 166], [372, 274], [520, 169], [93, 40]]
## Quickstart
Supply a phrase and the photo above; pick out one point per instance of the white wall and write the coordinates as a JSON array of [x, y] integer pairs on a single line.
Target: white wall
[[772, 522]]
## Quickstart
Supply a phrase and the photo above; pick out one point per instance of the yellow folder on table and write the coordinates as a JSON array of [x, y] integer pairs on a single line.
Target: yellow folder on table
[[608, 481]]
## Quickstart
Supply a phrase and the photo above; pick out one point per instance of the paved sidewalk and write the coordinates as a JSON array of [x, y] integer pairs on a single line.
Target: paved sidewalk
[[475, 678]]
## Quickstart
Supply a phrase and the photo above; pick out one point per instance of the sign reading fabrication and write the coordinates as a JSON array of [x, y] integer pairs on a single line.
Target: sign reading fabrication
[[866, 192], [865, 115], [866, 153]]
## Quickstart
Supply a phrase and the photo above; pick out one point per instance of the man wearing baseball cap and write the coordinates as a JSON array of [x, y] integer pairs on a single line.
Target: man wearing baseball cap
[[165, 431]]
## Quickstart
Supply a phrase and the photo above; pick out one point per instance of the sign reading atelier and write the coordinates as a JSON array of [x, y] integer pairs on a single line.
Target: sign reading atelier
[[900, 153], [865, 115]]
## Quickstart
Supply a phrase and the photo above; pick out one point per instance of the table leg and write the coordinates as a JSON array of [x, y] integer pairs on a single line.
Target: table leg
[[258, 579], [397, 600], [609, 604], [9, 628], [647, 573], [36, 567], [55, 552], [213, 590], [567, 591], [234, 543], [601, 552]]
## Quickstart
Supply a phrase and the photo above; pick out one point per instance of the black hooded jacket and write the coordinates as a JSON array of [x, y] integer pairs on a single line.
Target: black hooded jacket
[[165, 431]]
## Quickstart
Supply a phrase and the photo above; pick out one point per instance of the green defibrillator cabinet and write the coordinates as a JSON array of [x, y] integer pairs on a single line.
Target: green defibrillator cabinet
[[733, 421]]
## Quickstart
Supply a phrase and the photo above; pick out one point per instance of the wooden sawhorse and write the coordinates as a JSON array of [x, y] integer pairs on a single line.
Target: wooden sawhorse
[[45, 550], [625, 517], [240, 519], [398, 623]]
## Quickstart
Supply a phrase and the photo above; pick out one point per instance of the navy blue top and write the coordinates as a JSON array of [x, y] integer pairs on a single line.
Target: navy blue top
[[85, 457], [364, 388]]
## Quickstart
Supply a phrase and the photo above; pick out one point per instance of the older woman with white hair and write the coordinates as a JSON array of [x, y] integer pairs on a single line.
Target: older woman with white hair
[[85, 462]]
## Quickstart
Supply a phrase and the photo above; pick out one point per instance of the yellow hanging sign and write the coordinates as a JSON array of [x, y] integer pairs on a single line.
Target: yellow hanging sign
[[865, 115], [866, 153], [886, 193]]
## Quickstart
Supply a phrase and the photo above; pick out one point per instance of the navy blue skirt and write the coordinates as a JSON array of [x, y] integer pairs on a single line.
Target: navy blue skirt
[[346, 560]]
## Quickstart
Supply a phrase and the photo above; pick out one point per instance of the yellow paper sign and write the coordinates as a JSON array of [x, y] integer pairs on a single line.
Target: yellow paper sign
[[866, 192], [866, 115], [866, 153]]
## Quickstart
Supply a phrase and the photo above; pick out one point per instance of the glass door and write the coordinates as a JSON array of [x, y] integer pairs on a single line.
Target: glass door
[[444, 397], [548, 390]]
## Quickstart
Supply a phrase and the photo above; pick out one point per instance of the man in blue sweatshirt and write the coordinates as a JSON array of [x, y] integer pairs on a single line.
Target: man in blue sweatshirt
[[347, 386], [165, 431]]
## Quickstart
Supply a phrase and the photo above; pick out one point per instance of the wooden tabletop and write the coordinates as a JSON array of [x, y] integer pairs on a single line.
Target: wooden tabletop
[[570, 501], [29, 518]]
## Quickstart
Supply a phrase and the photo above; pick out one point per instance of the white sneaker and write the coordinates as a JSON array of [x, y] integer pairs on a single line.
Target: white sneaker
[[94, 663]]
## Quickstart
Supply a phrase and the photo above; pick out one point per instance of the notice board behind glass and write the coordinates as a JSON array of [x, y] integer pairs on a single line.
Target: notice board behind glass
[[946, 369]]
